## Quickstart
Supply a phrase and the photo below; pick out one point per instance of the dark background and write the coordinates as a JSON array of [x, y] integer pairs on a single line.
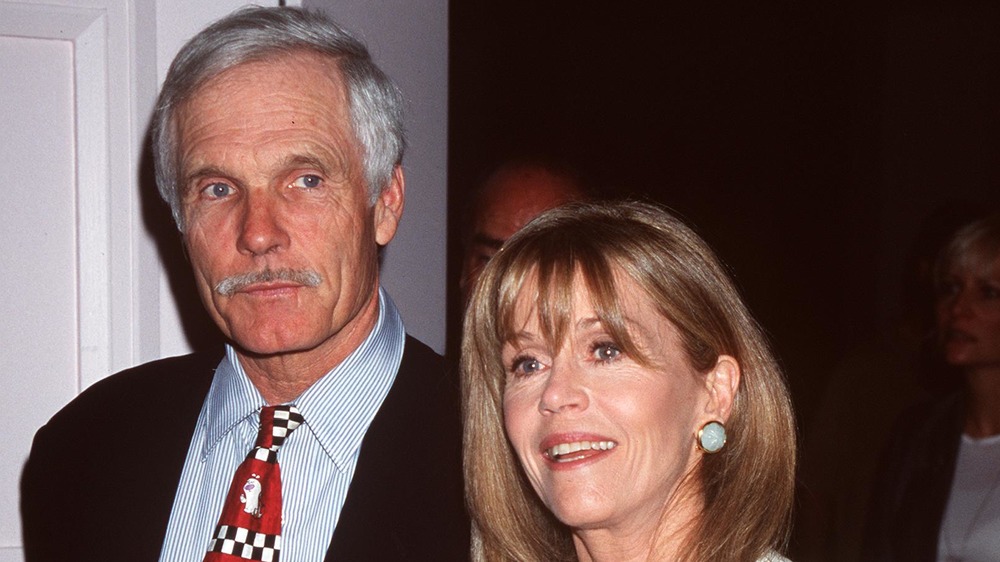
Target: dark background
[[807, 143]]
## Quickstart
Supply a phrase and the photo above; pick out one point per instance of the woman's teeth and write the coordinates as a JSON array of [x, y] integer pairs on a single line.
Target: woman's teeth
[[559, 452]]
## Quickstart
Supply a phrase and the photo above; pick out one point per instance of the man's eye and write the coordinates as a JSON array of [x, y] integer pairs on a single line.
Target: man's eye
[[483, 258], [218, 190], [308, 181]]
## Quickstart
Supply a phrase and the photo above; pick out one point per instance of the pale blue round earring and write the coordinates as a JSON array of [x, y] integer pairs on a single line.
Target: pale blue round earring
[[711, 437]]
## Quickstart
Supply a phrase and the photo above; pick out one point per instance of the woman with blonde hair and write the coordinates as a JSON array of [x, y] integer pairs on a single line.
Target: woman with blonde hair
[[619, 401], [937, 494]]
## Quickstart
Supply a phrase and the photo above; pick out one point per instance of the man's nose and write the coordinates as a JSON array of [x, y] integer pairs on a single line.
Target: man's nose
[[262, 229]]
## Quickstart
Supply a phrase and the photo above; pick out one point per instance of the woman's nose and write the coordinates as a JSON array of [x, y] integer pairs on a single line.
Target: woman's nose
[[960, 302], [565, 391]]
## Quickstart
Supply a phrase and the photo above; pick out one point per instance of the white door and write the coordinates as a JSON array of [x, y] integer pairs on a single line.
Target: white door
[[54, 207]]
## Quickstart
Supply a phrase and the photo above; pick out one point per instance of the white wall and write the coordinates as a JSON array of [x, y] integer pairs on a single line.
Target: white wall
[[66, 226]]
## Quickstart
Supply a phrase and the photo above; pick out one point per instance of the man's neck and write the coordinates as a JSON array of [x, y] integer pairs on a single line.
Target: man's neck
[[982, 417], [282, 377]]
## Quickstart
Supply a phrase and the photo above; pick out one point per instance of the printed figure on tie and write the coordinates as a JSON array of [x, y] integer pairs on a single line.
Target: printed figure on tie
[[251, 496]]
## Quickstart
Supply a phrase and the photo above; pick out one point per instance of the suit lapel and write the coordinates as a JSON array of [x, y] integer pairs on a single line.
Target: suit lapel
[[405, 500]]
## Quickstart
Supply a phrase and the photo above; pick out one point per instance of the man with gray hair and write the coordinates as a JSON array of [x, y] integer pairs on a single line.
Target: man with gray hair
[[322, 431]]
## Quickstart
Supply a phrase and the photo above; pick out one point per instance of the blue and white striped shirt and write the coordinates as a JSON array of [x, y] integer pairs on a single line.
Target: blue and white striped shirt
[[317, 461]]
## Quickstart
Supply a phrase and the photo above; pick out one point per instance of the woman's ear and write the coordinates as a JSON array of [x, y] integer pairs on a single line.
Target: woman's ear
[[722, 382]]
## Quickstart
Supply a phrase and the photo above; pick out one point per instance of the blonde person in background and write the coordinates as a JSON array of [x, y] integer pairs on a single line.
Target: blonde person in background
[[936, 496], [619, 401]]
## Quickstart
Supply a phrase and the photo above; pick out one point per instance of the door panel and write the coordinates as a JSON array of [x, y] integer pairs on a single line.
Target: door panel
[[38, 296]]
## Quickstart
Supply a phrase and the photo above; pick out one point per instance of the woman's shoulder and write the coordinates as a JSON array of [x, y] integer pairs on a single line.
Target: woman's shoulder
[[773, 557]]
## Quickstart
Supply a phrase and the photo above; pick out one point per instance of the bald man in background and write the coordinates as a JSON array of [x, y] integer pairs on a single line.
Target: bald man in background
[[513, 194]]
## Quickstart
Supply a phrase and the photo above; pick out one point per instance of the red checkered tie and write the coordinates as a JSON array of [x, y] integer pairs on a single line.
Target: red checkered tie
[[250, 525]]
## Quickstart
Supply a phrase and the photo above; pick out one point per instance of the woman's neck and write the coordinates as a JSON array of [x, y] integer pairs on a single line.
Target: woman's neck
[[663, 538], [982, 416], [601, 547]]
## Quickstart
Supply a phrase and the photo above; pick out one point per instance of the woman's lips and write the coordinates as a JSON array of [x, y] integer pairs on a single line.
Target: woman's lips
[[567, 449], [958, 336]]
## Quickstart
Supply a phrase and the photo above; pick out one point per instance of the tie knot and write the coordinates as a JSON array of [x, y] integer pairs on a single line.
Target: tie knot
[[276, 424]]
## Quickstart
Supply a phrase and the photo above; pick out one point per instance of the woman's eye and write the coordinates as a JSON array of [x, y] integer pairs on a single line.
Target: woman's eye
[[218, 190], [308, 181], [949, 290], [523, 366], [605, 352]]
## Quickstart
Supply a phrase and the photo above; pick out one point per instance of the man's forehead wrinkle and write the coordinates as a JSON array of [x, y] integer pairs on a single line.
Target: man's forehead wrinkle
[[274, 91], [209, 141]]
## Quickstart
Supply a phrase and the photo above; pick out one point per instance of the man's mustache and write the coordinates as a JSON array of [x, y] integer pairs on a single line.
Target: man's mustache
[[235, 283]]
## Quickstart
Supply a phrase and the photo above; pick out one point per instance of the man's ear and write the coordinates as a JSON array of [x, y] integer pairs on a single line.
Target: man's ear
[[389, 207], [722, 382]]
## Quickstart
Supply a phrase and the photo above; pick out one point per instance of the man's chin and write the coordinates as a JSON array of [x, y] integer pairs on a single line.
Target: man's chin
[[269, 343]]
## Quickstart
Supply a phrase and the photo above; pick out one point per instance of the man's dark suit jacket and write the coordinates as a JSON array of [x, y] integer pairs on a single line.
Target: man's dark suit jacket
[[100, 481]]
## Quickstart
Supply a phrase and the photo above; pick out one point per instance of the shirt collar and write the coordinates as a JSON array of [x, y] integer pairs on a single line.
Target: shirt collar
[[338, 408]]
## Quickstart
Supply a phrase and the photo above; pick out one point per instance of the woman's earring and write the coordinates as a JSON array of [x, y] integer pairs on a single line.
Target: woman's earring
[[711, 437]]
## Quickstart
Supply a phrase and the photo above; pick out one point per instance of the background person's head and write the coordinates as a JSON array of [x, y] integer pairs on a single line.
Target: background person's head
[[967, 278], [619, 253], [259, 34], [514, 193]]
